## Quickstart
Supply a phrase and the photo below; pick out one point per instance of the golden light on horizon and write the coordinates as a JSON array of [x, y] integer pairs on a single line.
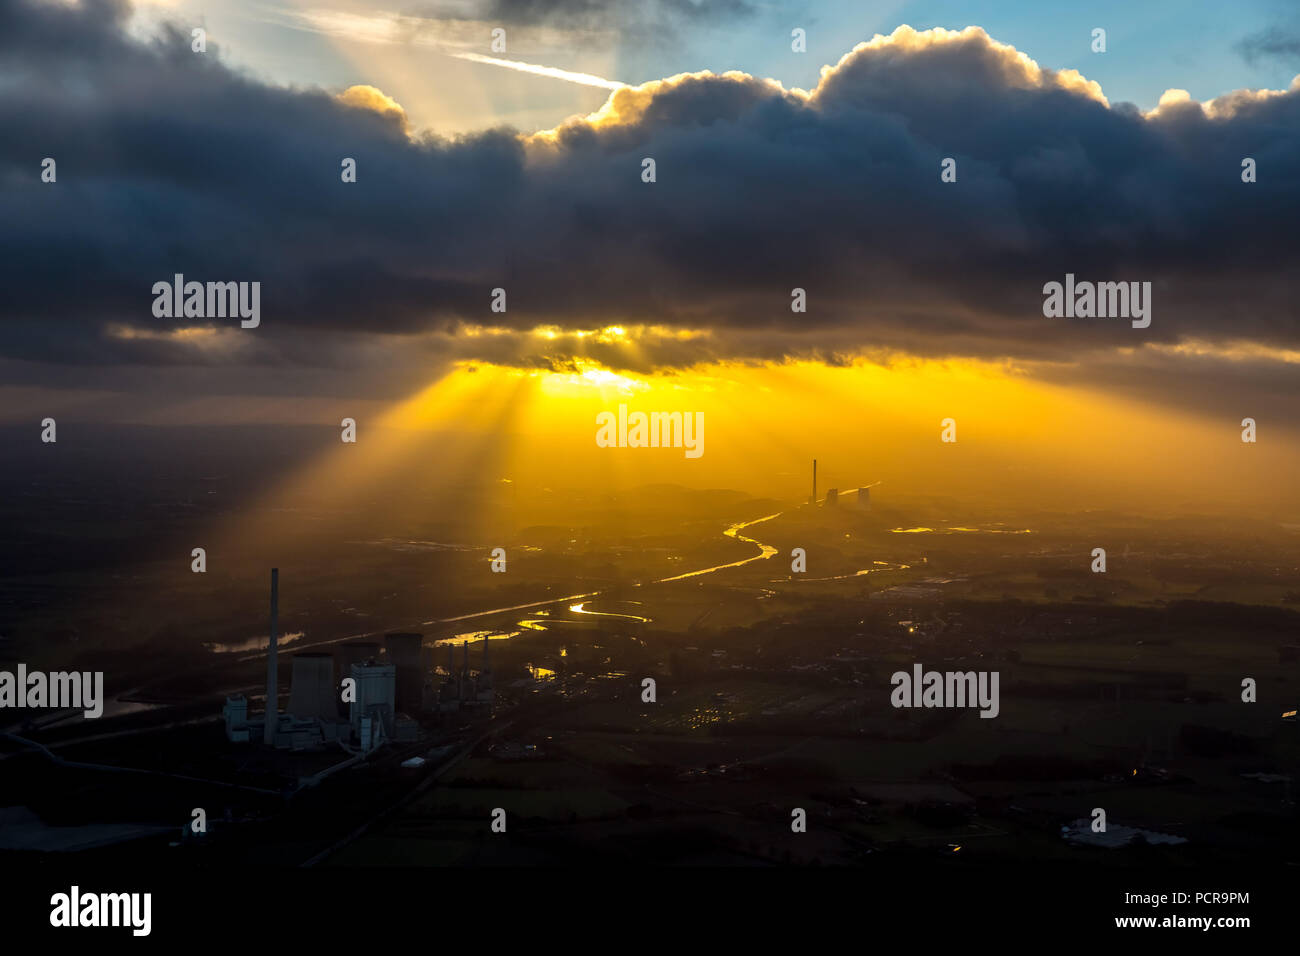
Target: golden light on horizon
[[763, 423]]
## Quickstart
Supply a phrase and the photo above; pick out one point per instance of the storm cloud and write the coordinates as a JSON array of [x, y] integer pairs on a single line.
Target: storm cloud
[[171, 162]]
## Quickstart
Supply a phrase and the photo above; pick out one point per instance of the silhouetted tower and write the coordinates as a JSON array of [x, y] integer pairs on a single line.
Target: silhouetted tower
[[814, 495], [272, 666], [404, 651], [483, 686]]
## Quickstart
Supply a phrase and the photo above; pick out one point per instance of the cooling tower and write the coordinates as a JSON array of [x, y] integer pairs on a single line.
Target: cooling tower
[[356, 652], [312, 693], [404, 653]]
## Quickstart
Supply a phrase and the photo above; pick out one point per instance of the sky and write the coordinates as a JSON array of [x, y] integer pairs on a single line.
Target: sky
[[1206, 49], [522, 169]]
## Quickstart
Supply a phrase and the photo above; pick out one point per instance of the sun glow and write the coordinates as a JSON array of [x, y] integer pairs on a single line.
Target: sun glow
[[1017, 437], [588, 375]]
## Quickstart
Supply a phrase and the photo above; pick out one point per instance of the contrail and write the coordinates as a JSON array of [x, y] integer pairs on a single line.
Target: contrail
[[586, 79]]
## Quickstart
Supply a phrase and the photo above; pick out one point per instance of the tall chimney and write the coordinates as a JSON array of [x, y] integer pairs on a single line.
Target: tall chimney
[[272, 667], [814, 500], [485, 653]]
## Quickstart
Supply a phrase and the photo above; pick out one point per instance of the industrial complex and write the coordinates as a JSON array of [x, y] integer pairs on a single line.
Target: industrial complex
[[360, 697]]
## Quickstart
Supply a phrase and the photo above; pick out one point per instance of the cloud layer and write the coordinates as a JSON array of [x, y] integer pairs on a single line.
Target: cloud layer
[[169, 162]]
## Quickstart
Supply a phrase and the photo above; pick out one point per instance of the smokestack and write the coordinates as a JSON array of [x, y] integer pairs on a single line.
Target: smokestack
[[464, 669], [814, 497], [272, 666], [485, 654]]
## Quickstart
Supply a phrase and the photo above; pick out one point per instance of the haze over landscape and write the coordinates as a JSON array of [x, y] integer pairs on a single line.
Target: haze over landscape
[[839, 253]]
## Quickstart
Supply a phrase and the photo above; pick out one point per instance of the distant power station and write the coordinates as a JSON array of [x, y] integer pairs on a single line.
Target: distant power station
[[388, 693], [460, 690], [861, 502]]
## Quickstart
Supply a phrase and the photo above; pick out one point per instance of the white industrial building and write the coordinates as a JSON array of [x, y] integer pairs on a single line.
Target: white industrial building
[[373, 711]]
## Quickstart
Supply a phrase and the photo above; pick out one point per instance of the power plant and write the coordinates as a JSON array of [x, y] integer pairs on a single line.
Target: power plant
[[358, 698], [862, 502], [462, 689]]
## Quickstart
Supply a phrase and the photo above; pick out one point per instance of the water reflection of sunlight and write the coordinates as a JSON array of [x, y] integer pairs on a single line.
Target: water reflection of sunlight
[[259, 643]]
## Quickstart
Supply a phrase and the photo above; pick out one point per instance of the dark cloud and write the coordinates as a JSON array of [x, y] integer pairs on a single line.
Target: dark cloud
[[170, 162], [1271, 43], [642, 23], [1206, 384], [590, 13]]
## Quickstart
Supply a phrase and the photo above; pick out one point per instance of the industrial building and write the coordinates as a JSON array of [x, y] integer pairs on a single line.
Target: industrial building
[[391, 687], [862, 502], [404, 653], [483, 684], [235, 713], [355, 652], [288, 731], [312, 694], [313, 719], [462, 689], [372, 714], [449, 690]]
